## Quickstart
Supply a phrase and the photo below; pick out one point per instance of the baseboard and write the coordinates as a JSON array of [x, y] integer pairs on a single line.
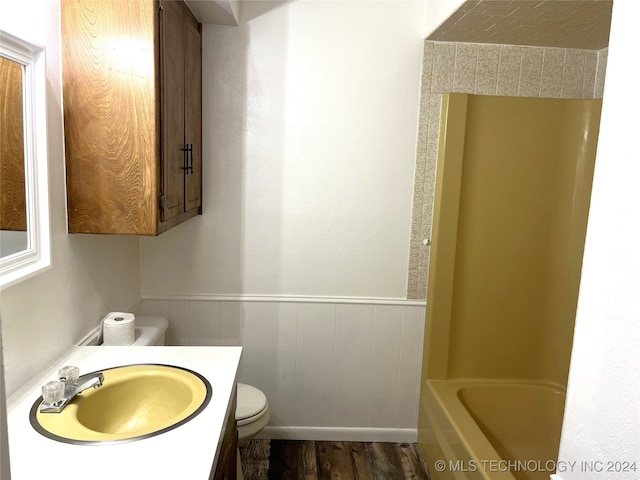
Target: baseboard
[[337, 434]]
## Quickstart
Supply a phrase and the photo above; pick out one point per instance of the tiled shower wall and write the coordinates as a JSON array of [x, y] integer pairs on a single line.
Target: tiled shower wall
[[484, 69], [339, 371]]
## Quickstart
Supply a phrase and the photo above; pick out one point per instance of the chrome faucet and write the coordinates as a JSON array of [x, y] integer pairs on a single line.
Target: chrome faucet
[[70, 388]]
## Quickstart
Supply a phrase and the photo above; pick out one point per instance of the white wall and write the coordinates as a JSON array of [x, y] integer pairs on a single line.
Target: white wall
[[602, 414], [437, 11], [90, 275], [310, 122], [5, 474], [331, 371]]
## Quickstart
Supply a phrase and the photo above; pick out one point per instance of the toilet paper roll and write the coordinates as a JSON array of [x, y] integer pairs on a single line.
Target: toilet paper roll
[[118, 329]]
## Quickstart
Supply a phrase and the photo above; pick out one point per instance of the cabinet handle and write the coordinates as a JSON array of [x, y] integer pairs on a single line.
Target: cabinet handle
[[187, 158]]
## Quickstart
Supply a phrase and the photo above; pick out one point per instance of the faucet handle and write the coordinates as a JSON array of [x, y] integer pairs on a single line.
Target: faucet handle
[[69, 374], [52, 392]]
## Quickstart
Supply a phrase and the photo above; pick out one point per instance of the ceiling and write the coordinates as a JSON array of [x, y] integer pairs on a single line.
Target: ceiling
[[218, 12], [580, 24]]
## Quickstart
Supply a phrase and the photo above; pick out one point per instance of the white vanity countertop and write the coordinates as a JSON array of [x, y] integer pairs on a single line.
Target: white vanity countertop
[[188, 451]]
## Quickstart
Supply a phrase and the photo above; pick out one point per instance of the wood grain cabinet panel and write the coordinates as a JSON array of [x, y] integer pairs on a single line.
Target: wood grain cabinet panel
[[133, 115], [226, 466]]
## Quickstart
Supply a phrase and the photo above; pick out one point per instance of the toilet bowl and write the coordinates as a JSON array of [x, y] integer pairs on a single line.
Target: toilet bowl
[[252, 413], [252, 410]]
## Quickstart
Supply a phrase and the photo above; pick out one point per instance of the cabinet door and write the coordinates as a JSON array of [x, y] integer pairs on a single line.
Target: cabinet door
[[173, 103], [193, 113], [226, 467], [109, 82]]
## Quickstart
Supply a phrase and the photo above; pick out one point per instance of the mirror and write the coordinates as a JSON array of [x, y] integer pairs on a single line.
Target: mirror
[[13, 213], [24, 191]]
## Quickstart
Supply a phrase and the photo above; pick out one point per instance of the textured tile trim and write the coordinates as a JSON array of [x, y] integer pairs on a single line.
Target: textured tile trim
[[492, 70]]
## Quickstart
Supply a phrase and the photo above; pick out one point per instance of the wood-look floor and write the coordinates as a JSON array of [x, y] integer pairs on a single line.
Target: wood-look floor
[[309, 460]]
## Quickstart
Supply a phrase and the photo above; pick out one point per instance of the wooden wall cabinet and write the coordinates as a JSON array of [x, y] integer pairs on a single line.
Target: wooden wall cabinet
[[132, 92]]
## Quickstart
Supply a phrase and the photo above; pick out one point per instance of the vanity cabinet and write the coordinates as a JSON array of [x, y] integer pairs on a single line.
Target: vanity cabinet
[[132, 94], [226, 467]]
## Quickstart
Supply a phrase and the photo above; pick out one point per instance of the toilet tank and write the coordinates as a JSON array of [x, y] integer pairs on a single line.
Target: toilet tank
[[150, 330]]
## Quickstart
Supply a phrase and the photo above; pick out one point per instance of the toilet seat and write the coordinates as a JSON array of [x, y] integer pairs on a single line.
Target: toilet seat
[[251, 404], [252, 419]]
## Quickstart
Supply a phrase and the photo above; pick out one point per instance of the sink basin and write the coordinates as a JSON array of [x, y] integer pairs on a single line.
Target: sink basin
[[135, 402]]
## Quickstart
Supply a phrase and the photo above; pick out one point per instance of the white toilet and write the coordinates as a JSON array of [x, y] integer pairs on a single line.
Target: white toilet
[[150, 331], [252, 411]]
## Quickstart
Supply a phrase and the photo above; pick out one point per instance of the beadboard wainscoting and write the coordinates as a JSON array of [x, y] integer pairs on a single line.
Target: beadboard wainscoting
[[332, 369]]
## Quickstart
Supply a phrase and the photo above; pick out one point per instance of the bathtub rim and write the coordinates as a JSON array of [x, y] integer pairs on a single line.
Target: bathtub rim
[[468, 432]]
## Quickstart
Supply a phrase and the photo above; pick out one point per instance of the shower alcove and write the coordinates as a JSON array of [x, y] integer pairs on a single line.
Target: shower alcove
[[511, 203], [510, 108]]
